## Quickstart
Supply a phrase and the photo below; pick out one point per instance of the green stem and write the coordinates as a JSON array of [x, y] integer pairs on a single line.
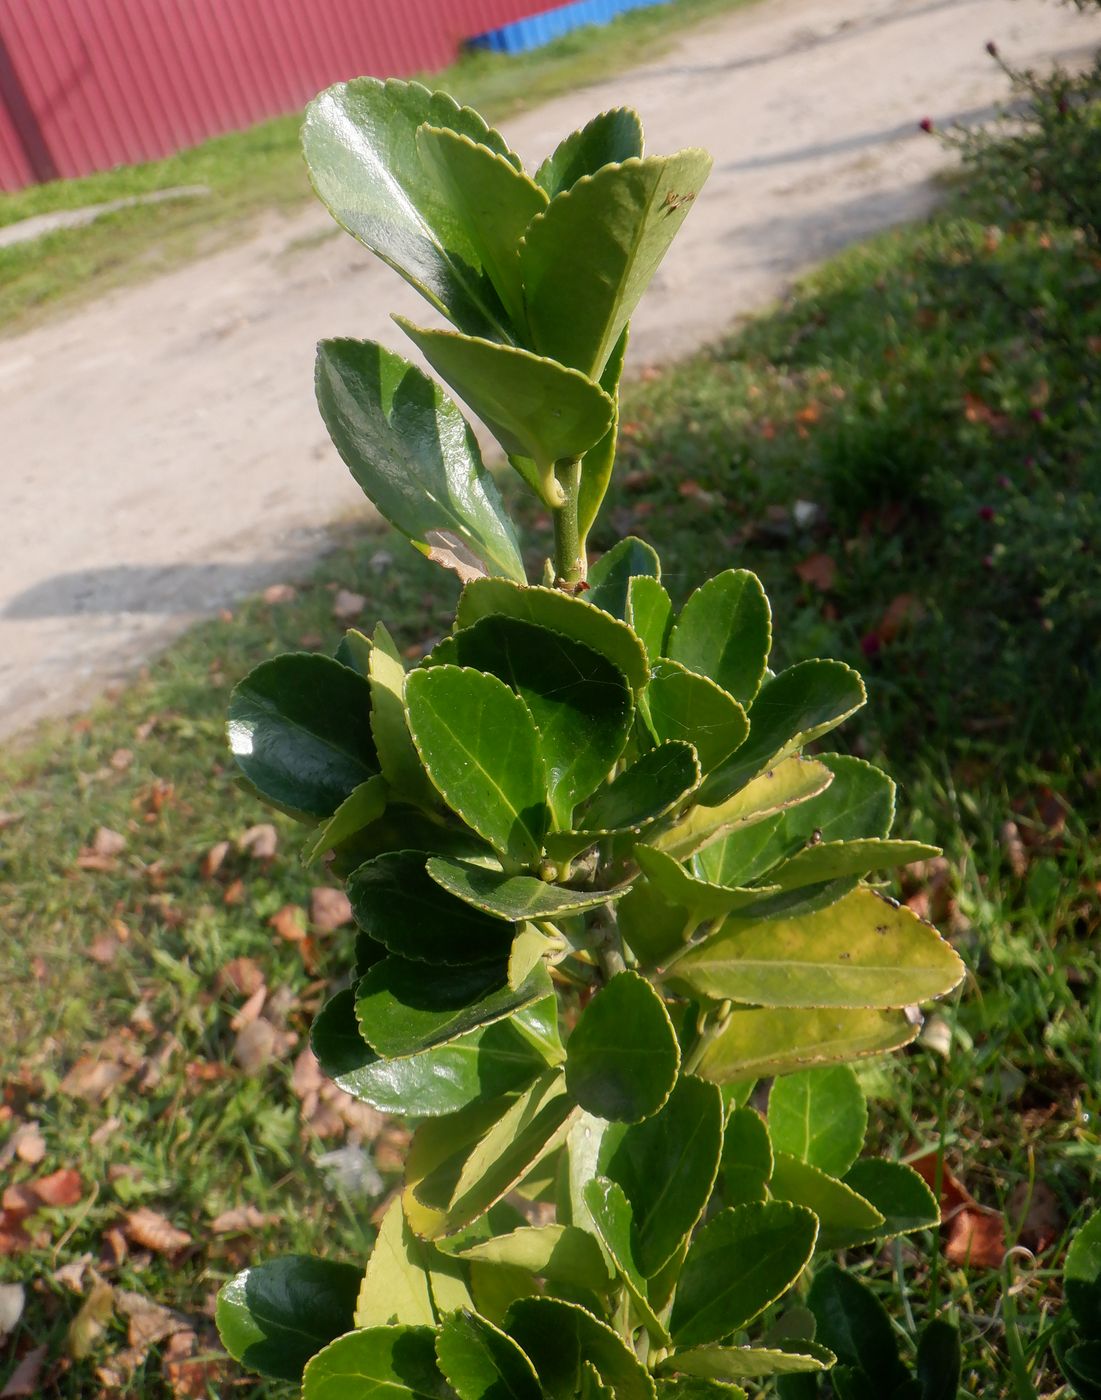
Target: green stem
[[570, 565]]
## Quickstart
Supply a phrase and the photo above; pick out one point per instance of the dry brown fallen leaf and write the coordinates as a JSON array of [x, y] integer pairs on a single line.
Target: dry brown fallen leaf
[[259, 1043], [1014, 847], [251, 1009], [260, 841], [329, 909], [1041, 1217], [287, 923], [277, 593], [240, 1220], [60, 1188], [819, 570], [154, 1231], [28, 1144], [974, 1234], [9, 819], [242, 975], [190, 1369], [347, 606], [212, 862], [24, 1379]]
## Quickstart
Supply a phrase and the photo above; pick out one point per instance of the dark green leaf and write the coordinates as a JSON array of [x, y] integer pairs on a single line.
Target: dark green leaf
[[403, 1007], [679, 704], [359, 809], [413, 453], [667, 1167], [608, 139], [1082, 1365], [377, 1363], [691, 1388], [897, 1192], [482, 1065], [299, 728], [274, 1317], [1082, 1276], [650, 614], [724, 631], [939, 1361], [559, 1337], [533, 406], [798, 705], [611, 575], [758, 1043], [864, 951], [483, 1363], [495, 203], [844, 1217], [819, 1115], [853, 1323], [397, 904], [355, 651], [359, 140], [587, 259], [479, 745], [401, 767], [515, 897], [580, 701], [747, 1157], [650, 787], [573, 617], [742, 1260], [622, 1058]]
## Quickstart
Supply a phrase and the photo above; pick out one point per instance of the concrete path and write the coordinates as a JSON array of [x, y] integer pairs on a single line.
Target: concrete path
[[160, 452]]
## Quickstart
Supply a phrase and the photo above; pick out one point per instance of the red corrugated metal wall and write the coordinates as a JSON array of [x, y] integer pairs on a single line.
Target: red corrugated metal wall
[[88, 84]]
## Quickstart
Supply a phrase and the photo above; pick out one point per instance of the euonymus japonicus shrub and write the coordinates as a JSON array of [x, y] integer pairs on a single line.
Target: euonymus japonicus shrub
[[602, 888]]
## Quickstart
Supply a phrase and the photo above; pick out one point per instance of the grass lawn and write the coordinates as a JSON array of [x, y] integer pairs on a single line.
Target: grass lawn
[[250, 173], [911, 465]]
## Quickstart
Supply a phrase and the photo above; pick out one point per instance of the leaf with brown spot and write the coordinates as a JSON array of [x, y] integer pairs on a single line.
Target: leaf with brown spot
[[60, 1188], [154, 1231], [329, 909]]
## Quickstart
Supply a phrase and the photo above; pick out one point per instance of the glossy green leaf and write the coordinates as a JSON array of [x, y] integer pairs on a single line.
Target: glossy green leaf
[[679, 704], [528, 949], [275, 1316], [610, 1212], [831, 860], [610, 138], [415, 456], [580, 701], [1081, 1365], [359, 140], [395, 1288], [377, 1363], [652, 927], [897, 1192], [820, 1116], [611, 575], [790, 783], [587, 259], [403, 1007], [598, 462], [692, 1388], [650, 614], [299, 728], [742, 1260], [359, 809], [398, 904], [667, 1166], [448, 1185], [745, 1363], [863, 951], [401, 767], [550, 608], [483, 1363], [704, 900], [650, 787], [1082, 1276], [533, 406], [747, 1157], [482, 1065], [622, 1057], [494, 201], [800, 704], [355, 651], [939, 1360], [515, 897], [724, 631], [560, 1337], [853, 1323], [843, 1216], [561, 1254], [479, 745], [758, 1043]]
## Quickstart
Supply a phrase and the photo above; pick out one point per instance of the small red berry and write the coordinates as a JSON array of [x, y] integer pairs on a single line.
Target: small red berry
[[992, 48], [926, 123], [986, 512], [870, 644]]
